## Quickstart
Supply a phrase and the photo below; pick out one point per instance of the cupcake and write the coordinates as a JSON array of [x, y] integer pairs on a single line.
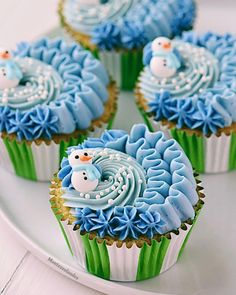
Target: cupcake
[[52, 95], [116, 31], [126, 203], [188, 86]]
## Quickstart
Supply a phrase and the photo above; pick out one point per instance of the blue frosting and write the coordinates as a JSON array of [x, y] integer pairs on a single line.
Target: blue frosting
[[129, 24], [63, 89], [107, 36], [202, 94], [163, 198]]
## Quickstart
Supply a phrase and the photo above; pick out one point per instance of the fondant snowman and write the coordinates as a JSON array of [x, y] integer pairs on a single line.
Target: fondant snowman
[[10, 73], [164, 62], [85, 175]]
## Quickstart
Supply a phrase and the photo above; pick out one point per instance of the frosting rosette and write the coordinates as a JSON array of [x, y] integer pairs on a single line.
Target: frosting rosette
[[128, 23], [146, 184], [63, 89], [201, 95]]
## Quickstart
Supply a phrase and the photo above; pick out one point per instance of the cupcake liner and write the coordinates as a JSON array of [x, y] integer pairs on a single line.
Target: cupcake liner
[[130, 260], [213, 154], [124, 263], [38, 161], [124, 66]]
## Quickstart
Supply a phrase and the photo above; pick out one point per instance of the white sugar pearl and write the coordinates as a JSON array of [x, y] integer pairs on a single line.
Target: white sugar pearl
[[188, 87], [163, 82], [174, 81], [98, 197], [119, 191], [81, 195], [116, 183], [113, 187], [201, 71], [4, 100], [129, 176], [129, 159], [177, 87], [111, 157], [124, 173], [120, 178], [87, 196], [107, 190], [101, 193], [110, 201], [140, 181], [204, 78], [124, 187], [110, 177]]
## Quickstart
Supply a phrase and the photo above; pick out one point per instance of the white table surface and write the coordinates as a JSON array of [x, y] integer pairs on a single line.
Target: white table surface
[[20, 272]]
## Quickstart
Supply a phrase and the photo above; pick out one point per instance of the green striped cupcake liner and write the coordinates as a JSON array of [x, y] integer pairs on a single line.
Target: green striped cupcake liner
[[111, 259], [124, 66], [121, 263], [35, 161], [213, 154]]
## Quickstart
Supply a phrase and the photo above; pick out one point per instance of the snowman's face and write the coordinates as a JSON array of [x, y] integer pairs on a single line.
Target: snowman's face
[[5, 82], [4, 53], [162, 44], [79, 157]]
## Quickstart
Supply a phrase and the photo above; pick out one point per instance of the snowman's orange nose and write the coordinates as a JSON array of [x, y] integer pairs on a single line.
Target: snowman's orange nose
[[167, 45], [5, 54], [85, 158]]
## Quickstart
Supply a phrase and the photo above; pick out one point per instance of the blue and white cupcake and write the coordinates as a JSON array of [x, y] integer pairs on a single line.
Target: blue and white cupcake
[[126, 203], [188, 85], [116, 31], [52, 95]]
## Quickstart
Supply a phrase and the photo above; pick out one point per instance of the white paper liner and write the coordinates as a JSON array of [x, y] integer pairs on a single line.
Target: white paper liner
[[112, 62], [5, 160], [124, 261], [46, 160], [217, 151]]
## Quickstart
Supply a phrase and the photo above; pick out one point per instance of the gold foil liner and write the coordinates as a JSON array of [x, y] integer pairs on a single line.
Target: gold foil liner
[[57, 204], [109, 111], [143, 105]]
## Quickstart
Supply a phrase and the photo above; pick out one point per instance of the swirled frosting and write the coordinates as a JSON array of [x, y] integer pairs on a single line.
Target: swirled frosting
[[135, 22], [122, 179], [147, 185], [62, 90], [202, 94]]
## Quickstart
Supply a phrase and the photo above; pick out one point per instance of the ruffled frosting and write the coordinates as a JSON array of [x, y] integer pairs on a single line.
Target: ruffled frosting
[[62, 90], [163, 198], [202, 94], [129, 24]]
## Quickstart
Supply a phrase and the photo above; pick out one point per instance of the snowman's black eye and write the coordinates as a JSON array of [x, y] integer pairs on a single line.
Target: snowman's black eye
[[6, 51], [159, 43], [86, 154], [77, 157]]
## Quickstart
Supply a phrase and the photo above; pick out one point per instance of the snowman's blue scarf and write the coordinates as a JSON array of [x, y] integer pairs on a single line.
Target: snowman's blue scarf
[[92, 171], [171, 58], [12, 69]]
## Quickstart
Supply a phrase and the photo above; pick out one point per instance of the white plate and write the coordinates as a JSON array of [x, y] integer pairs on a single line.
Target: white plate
[[208, 262]]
